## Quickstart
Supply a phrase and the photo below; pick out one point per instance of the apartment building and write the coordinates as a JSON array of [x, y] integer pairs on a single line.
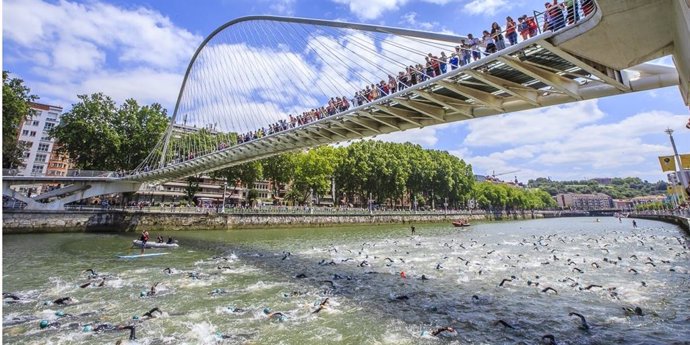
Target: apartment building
[[33, 133], [575, 201]]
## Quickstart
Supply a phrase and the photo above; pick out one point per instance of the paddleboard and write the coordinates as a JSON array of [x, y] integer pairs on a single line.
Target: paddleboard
[[140, 255]]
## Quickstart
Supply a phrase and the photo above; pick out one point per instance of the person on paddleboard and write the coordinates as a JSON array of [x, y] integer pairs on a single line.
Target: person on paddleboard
[[144, 238]]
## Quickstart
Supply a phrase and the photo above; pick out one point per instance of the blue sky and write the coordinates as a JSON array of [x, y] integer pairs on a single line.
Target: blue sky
[[140, 49]]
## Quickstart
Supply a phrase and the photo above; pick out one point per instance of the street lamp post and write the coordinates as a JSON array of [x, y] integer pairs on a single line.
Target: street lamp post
[[370, 206], [679, 170], [225, 188]]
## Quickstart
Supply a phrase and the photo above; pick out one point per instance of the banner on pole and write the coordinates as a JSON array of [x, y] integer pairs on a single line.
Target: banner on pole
[[685, 161], [668, 163]]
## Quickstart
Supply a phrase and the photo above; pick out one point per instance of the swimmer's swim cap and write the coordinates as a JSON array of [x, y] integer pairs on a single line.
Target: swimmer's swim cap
[[43, 324], [59, 313], [267, 310], [87, 328]]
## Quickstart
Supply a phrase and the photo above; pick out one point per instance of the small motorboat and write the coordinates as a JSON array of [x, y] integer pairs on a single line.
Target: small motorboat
[[460, 223], [137, 243]]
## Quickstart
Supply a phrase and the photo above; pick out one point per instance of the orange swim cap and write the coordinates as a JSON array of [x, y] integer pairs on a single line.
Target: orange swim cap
[[402, 274]]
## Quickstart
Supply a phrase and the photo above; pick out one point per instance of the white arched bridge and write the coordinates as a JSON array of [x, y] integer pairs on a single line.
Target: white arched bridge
[[260, 86]]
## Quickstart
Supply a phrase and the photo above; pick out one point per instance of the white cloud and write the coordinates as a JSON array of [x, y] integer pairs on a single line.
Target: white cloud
[[426, 136], [531, 126], [144, 84], [282, 7], [410, 19], [95, 46], [486, 7], [75, 56], [533, 144], [371, 9]]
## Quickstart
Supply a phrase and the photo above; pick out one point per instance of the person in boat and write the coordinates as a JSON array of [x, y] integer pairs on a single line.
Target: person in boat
[[170, 240], [461, 222], [159, 239], [144, 238]]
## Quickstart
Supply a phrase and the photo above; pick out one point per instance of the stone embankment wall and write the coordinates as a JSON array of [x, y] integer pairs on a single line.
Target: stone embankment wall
[[119, 221]]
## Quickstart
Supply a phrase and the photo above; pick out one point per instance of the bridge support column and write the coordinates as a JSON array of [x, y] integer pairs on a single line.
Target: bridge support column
[[681, 45]]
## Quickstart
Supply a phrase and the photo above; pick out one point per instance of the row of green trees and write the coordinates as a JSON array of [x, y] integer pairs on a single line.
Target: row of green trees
[[394, 175], [617, 188]]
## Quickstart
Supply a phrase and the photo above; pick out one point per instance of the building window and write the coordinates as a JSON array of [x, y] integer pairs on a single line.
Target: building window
[[32, 133], [46, 138], [25, 132], [37, 168], [51, 119], [36, 123], [40, 158], [43, 147], [48, 126]]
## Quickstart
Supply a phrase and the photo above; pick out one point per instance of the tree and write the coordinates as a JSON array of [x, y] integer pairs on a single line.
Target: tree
[[99, 136], [279, 169], [192, 188], [16, 100], [138, 127], [313, 173], [246, 173]]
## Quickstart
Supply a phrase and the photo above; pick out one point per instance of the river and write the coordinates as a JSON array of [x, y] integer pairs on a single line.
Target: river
[[220, 283]]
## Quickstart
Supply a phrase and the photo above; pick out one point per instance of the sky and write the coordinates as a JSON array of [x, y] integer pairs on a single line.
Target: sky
[[140, 50]]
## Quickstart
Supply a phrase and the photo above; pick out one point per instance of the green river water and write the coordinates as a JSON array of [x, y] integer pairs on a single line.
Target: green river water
[[596, 268]]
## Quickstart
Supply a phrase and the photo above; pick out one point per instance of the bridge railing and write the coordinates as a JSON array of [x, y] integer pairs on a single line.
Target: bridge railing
[[678, 212]]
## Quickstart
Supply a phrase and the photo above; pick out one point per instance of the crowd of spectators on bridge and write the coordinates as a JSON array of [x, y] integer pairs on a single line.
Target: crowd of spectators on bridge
[[556, 16]]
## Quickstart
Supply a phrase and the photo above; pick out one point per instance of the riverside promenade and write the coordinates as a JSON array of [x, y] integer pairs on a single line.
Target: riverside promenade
[[680, 218], [128, 220]]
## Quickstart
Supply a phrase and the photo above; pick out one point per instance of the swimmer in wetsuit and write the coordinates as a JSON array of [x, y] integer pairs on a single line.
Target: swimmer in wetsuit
[[64, 301], [439, 331], [152, 291], [274, 315], [321, 306], [150, 313], [132, 331]]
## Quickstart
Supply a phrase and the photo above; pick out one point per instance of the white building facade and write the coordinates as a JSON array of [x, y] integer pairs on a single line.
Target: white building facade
[[34, 135]]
